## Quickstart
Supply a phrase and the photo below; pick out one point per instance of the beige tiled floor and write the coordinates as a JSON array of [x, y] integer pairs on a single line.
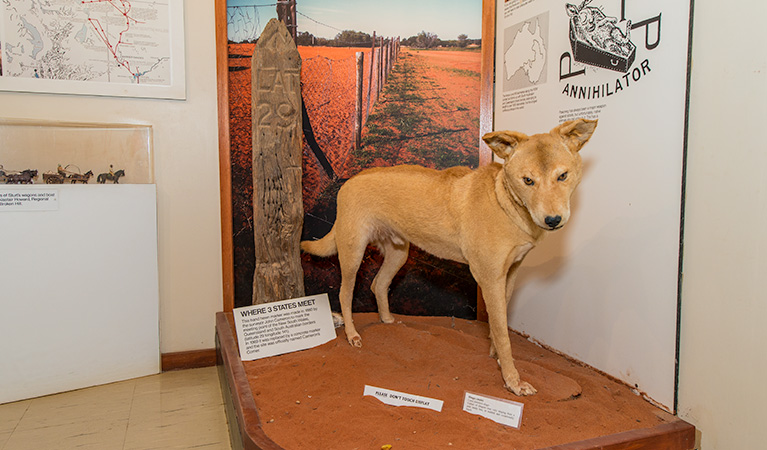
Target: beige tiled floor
[[172, 410]]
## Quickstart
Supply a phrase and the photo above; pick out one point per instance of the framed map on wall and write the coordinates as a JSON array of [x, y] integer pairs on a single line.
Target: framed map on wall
[[130, 48]]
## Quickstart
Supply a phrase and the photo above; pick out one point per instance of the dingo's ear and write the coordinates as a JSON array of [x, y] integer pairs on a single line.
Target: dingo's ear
[[576, 132], [503, 143]]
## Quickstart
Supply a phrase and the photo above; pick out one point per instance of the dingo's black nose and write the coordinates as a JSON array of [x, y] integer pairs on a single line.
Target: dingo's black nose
[[553, 221]]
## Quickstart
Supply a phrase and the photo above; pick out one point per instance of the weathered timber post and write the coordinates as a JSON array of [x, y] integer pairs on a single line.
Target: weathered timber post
[[277, 203], [358, 103]]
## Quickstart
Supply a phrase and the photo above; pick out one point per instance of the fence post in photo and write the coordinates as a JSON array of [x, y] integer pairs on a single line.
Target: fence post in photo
[[358, 103], [370, 78], [380, 68], [278, 210], [385, 65], [286, 13]]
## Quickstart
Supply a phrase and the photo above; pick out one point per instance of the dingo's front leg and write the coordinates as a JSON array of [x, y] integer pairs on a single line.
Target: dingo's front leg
[[497, 283], [511, 277], [499, 332]]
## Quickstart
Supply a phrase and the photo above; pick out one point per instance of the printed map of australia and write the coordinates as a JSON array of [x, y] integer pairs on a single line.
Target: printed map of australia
[[107, 41], [525, 56]]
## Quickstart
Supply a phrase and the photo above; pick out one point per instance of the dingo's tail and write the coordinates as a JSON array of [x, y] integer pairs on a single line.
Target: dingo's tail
[[322, 247]]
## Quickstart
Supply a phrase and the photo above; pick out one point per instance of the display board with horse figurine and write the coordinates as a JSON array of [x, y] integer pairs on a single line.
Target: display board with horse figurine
[[60, 176]]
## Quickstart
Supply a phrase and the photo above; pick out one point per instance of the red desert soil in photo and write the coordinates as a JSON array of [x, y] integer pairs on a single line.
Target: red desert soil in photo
[[448, 79], [328, 83]]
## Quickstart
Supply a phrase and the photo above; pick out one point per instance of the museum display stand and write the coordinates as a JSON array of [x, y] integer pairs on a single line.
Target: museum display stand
[[79, 295], [77, 148], [314, 399]]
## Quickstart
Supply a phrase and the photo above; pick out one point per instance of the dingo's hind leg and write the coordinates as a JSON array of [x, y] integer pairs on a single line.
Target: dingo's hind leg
[[395, 255], [350, 255]]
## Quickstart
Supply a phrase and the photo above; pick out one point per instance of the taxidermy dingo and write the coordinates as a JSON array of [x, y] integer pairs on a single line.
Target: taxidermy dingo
[[488, 218]]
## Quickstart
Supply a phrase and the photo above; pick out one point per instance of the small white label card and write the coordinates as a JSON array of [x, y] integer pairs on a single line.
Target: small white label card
[[505, 412], [282, 327], [29, 200], [395, 398]]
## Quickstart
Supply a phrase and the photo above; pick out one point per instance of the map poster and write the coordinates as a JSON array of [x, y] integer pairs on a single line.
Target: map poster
[[130, 48], [611, 274]]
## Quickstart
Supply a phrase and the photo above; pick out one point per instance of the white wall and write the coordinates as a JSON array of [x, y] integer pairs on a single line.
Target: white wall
[[186, 172], [723, 361], [604, 289]]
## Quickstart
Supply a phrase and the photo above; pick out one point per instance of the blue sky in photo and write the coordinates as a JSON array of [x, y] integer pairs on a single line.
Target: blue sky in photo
[[326, 18]]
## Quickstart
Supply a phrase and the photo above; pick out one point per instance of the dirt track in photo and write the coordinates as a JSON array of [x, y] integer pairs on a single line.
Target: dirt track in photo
[[428, 115]]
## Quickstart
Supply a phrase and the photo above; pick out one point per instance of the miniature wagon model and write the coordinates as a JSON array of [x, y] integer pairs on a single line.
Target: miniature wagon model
[[53, 178], [80, 178], [63, 174]]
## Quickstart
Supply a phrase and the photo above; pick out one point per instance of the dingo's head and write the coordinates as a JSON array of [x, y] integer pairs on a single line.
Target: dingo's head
[[540, 172]]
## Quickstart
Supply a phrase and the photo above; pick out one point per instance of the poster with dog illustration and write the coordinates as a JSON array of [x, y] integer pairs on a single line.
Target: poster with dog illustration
[[604, 288]]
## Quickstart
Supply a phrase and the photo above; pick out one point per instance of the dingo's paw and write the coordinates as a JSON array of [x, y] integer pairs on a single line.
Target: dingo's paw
[[338, 320], [387, 319], [355, 340], [521, 388]]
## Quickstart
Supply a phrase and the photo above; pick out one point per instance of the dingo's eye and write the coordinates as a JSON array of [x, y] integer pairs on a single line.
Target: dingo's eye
[[562, 177], [528, 181]]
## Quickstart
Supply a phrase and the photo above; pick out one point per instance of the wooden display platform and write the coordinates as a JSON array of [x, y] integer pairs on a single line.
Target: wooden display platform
[[656, 430]]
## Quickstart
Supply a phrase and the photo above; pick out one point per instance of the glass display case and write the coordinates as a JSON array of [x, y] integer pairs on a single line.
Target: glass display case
[[34, 152]]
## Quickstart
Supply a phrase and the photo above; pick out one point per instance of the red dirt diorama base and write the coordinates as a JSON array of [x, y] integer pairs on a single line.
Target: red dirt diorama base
[[314, 398]]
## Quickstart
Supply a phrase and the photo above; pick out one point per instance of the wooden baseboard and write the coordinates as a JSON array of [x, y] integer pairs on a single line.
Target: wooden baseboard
[[188, 360]]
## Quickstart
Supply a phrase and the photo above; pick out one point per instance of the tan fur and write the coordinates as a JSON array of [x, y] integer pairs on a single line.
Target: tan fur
[[488, 218]]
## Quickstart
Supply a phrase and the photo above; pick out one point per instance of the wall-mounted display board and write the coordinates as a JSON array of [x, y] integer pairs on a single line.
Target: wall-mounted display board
[[604, 289], [103, 47], [79, 293], [66, 153]]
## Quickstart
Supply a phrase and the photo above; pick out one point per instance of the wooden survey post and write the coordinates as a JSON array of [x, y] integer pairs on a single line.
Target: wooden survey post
[[277, 138]]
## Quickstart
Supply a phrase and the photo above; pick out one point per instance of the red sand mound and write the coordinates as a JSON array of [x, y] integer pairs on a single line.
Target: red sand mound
[[314, 398]]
